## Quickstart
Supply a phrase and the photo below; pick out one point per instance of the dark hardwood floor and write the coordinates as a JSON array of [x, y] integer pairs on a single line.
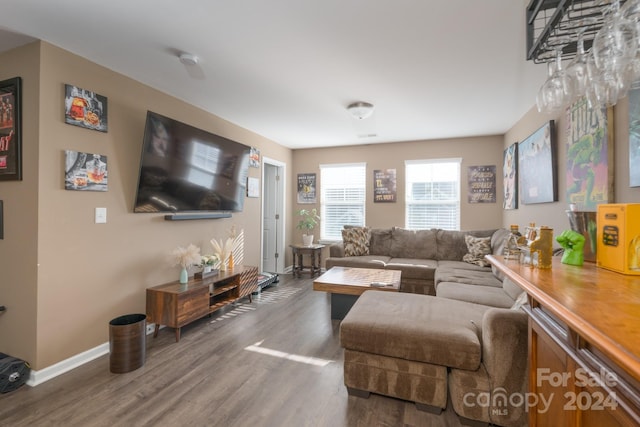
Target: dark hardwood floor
[[274, 362]]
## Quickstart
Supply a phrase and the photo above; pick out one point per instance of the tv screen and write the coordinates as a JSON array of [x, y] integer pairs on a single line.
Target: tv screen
[[186, 169]]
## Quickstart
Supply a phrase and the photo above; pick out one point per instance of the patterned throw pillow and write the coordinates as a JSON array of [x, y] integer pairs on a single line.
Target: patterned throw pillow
[[356, 241], [478, 247]]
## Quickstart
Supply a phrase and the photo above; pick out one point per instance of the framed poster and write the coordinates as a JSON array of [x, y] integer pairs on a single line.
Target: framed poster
[[482, 184], [254, 157], [306, 188], [384, 186], [85, 171], [85, 108], [537, 166], [634, 137], [510, 177], [10, 129], [589, 156]]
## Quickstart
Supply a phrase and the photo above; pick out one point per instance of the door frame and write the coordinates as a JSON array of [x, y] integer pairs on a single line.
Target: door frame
[[281, 233]]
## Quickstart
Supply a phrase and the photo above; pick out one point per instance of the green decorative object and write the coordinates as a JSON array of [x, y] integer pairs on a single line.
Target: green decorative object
[[184, 276], [573, 244]]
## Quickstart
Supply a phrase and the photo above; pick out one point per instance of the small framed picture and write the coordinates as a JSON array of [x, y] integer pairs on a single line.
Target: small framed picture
[[10, 130], [85, 108], [85, 171]]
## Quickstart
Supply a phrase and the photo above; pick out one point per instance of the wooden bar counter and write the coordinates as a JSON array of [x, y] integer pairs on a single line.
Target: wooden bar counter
[[584, 343]]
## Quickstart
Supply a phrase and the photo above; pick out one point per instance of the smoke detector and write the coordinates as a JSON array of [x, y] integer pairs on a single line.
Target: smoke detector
[[188, 59]]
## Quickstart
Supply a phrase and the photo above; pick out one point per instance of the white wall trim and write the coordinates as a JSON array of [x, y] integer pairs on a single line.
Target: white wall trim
[[38, 377], [43, 375]]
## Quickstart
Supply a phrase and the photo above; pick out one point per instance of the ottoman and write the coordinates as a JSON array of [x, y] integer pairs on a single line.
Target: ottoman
[[401, 345]]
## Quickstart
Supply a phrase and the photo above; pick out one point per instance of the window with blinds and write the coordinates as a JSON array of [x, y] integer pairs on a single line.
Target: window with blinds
[[432, 194], [342, 198]]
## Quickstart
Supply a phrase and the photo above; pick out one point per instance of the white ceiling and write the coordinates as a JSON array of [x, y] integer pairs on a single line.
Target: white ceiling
[[287, 69]]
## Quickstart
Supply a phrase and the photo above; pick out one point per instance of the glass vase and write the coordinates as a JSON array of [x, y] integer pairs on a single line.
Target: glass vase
[[184, 276]]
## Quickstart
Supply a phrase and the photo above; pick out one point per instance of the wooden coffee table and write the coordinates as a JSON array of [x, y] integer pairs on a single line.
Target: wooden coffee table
[[346, 284]]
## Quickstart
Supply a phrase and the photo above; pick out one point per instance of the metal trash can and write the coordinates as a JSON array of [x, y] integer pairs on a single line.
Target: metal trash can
[[127, 343]]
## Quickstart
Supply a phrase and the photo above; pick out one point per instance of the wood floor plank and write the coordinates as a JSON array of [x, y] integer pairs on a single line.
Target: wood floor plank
[[275, 361]]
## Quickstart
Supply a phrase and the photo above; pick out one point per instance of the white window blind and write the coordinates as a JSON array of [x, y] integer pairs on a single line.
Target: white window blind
[[432, 194], [342, 198]]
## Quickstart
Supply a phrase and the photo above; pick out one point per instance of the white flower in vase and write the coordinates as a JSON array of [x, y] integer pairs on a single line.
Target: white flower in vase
[[185, 258]]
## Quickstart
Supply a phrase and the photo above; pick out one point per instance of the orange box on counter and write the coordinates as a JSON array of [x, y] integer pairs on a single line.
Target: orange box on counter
[[619, 237]]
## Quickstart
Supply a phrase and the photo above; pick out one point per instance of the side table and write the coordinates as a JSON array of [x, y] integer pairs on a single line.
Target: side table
[[315, 252]]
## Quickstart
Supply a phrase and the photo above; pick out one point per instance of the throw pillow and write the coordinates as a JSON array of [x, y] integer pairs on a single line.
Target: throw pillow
[[356, 241], [478, 247]]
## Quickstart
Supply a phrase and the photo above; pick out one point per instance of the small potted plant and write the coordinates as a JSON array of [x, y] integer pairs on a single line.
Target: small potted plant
[[307, 223]]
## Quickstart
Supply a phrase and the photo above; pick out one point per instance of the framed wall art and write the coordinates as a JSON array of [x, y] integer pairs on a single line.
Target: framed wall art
[[254, 157], [384, 186], [85, 171], [510, 177], [482, 184], [589, 156], [537, 166], [10, 129], [306, 188], [85, 108]]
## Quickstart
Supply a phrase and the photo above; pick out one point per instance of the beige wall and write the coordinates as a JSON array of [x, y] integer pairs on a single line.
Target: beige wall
[[477, 151], [19, 248], [553, 214], [85, 274]]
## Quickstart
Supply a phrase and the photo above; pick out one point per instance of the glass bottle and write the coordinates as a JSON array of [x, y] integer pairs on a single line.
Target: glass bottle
[[96, 169], [511, 250]]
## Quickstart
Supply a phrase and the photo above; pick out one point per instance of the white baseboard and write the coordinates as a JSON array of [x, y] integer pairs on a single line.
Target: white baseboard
[[38, 377]]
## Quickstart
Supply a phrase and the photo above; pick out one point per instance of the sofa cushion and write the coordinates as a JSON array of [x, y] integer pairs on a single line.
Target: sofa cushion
[[499, 240], [422, 328], [511, 288], [469, 277], [413, 268], [365, 261], [461, 265], [413, 243], [451, 244], [498, 243], [356, 241], [477, 247], [477, 294], [380, 241]]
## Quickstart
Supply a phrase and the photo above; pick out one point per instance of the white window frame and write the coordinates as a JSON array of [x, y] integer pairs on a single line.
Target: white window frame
[[328, 229], [454, 201]]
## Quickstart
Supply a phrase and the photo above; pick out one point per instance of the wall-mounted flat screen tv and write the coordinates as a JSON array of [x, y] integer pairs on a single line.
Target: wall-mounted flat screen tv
[[186, 169]]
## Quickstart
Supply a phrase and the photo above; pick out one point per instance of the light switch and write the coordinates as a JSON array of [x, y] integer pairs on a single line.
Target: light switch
[[101, 215]]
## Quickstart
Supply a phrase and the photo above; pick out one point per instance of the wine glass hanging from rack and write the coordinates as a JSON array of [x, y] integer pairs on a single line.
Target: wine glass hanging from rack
[[552, 22]]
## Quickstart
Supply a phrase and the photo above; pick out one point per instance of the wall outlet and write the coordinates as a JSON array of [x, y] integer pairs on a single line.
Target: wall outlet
[[150, 328]]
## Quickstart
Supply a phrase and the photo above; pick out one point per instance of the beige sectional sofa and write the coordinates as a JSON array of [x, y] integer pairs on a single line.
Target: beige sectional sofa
[[455, 329]]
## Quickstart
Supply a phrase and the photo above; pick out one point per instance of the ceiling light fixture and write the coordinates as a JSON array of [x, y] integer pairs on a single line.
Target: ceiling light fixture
[[360, 110], [188, 59]]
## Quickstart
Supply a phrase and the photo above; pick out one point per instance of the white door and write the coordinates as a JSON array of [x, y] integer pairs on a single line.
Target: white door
[[272, 221]]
